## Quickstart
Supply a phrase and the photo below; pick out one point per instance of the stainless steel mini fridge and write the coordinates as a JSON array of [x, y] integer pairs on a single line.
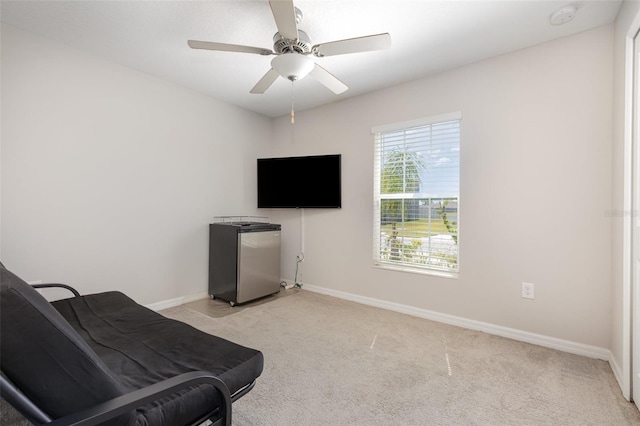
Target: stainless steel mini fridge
[[244, 260]]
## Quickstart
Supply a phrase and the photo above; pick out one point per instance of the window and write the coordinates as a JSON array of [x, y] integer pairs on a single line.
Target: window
[[417, 194]]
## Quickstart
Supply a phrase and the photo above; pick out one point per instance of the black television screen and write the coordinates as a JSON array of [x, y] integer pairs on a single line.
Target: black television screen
[[300, 182]]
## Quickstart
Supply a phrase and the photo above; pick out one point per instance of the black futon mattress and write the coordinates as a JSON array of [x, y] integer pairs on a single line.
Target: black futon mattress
[[140, 348]]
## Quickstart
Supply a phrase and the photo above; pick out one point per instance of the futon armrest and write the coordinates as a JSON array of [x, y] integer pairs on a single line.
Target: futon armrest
[[122, 404], [51, 285]]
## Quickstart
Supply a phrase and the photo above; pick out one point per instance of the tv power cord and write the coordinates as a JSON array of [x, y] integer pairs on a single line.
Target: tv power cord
[[299, 258]]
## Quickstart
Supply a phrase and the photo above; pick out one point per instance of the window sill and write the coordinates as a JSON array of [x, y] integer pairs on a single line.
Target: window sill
[[420, 271]]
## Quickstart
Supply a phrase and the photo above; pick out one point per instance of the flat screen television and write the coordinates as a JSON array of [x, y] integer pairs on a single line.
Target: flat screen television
[[300, 182]]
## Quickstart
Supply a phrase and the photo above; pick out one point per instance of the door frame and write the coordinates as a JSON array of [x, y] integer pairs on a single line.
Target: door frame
[[630, 289], [635, 223]]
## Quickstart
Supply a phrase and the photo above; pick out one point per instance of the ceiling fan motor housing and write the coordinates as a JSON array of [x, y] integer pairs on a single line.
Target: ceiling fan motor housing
[[284, 45]]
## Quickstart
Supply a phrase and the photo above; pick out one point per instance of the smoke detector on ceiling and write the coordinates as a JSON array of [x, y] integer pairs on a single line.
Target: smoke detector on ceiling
[[563, 15]]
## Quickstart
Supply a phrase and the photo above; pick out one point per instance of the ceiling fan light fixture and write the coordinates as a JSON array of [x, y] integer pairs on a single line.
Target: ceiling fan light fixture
[[292, 66]]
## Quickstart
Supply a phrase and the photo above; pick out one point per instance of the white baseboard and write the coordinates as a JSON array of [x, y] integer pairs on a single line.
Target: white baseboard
[[172, 303], [511, 333], [617, 373]]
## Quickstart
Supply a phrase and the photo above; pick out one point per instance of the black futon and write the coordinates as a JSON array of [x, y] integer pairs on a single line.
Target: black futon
[[104, 359]]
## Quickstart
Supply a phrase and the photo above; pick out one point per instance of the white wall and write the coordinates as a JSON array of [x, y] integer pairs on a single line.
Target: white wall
[[535, 187], [110, 177], [620, 339]]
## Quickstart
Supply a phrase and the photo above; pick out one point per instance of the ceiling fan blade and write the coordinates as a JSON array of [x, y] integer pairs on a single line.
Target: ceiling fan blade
[[284, 14], [265, 82], [209, 45], [328, 79], [353, 45]]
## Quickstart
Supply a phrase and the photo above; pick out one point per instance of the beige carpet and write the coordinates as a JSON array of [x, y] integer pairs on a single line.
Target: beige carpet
[[333, 362]]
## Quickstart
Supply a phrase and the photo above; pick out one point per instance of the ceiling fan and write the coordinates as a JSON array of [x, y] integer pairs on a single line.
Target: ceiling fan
[[293, 50]]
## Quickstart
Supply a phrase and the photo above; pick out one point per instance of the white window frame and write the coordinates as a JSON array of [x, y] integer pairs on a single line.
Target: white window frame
[[399, 266]]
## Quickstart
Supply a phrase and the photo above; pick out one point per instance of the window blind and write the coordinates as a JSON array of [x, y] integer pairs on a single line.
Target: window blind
[[416, 190]]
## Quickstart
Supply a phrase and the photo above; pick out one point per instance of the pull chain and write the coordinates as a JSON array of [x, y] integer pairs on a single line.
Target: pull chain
[[293, 115]]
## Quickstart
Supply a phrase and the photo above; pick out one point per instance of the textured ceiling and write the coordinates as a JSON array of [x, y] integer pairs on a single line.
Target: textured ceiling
[[426, 37]]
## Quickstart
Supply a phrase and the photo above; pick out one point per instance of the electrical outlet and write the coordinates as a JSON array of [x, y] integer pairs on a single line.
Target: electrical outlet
[[528, 290]]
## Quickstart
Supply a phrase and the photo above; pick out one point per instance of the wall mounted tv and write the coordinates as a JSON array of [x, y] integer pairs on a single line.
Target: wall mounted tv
[[300, 182]]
